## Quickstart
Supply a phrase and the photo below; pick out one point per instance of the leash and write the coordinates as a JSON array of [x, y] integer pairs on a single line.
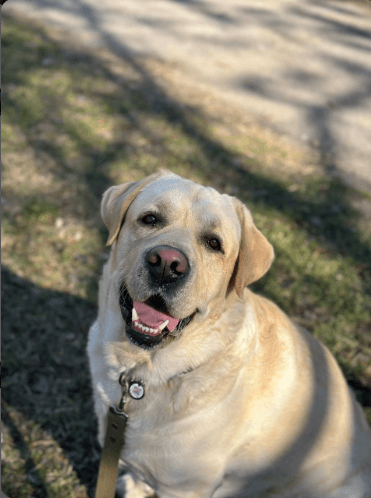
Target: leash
[[115, 438]]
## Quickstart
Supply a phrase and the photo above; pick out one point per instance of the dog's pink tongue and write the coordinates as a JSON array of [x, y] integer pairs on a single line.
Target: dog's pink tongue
[[154, 318]]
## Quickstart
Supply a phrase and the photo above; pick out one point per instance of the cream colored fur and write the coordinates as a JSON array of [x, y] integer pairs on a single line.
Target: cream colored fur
[[243, 403]]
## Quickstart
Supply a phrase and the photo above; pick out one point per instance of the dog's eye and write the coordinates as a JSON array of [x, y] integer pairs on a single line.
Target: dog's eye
[[149, 219], [214, 244]]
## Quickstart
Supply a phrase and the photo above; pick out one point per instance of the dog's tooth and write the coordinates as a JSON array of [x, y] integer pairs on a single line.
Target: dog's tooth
[[163, 325], [134, 315]]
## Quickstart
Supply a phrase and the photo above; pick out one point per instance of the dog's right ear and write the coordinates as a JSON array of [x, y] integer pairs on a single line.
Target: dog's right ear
[[114, 205], [116, 201]]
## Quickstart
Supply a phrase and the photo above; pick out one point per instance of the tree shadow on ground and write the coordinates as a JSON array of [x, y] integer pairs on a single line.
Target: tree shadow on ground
[[46, 374], [325, 211], [320, 111]]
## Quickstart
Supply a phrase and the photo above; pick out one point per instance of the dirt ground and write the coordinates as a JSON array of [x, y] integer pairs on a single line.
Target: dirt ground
[[301, 67]]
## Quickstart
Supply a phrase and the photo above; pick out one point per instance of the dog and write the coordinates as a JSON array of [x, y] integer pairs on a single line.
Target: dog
[[239, 401]]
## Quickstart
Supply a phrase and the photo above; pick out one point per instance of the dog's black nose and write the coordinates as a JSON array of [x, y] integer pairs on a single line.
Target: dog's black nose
[[166, 264]]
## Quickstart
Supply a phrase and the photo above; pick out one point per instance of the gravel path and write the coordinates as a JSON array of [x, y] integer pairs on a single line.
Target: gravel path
[[304, 66]]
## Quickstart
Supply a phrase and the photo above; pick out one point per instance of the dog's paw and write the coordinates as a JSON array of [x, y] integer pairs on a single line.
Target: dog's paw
[[128, 486]]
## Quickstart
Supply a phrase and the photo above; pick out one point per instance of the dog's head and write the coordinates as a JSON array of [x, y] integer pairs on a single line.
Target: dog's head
[[178, 250]]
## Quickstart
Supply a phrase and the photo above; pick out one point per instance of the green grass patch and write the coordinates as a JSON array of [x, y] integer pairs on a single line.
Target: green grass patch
[[40, 210]]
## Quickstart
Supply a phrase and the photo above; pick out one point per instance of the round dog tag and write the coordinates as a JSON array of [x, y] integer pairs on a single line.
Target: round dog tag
[[136, 389]]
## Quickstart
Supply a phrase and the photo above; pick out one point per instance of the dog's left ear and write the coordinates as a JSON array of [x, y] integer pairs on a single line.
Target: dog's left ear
[[116, 201], [256, 254]]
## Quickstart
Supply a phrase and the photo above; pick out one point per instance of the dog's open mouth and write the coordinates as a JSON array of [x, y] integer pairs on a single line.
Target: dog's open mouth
[[149, 323]]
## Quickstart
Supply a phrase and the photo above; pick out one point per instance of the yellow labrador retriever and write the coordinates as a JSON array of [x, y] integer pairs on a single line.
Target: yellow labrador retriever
[[239, 402]]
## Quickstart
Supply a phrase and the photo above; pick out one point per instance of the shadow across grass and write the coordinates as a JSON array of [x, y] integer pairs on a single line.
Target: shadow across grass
[[46, 375], [323, 208], [30, 466]]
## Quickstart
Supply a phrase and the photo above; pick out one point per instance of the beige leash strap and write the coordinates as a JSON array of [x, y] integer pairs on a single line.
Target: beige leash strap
[[115, 438], [109, 463]]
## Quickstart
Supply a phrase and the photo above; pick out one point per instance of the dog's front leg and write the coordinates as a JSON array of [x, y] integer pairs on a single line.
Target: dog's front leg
[[128, 486]]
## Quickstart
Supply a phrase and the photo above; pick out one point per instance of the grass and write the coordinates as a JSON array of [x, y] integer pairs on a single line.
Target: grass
[[74, 124]]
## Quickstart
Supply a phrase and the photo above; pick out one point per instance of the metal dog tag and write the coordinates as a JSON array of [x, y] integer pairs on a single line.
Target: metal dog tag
[[136, 389]]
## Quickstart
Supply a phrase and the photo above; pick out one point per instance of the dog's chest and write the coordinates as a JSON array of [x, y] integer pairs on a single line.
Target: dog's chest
[[166, 447]]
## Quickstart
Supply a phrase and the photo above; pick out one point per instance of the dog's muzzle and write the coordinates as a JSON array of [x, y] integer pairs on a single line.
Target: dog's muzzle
[[149, 323]]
